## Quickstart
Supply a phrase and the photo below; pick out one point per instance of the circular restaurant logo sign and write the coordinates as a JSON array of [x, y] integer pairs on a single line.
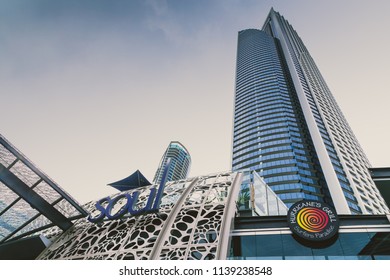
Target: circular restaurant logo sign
[[313, 220]]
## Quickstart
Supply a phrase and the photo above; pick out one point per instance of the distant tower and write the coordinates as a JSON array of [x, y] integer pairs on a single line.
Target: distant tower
[[180, 163]]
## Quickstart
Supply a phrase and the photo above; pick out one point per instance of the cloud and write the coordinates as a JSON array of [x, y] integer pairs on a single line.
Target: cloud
[[159, 7]]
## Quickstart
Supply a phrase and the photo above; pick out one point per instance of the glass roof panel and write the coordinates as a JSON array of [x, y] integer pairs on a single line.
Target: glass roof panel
[[24, 189]]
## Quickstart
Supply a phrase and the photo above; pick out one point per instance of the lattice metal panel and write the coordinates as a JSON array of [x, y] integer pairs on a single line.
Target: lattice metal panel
[[189, 225]]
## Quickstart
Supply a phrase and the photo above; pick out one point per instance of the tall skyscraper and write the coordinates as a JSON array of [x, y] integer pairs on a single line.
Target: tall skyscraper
[[180, 163], [289, 128]]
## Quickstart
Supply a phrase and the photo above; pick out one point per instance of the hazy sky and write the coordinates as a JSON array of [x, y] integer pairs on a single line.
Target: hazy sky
[[93, 90]]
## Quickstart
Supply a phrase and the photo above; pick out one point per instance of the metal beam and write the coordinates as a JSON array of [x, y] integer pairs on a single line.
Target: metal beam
[[380, 173], [35, 200], [166, 229], [227, 223], [46, 178]]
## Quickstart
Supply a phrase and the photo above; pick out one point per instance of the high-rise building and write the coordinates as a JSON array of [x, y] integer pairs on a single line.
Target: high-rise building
[[289, 128], [180, 163]]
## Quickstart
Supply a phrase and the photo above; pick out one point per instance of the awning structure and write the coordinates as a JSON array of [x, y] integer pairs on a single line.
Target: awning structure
[[29, 200], [381, 177], [134, 181]]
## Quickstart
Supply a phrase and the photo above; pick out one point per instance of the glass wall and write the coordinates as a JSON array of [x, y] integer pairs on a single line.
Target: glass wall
[[256, 196], [266, 202], [348, 246]]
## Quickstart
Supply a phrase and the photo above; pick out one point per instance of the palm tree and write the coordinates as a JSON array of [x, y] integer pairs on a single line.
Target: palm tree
[[243, 199]]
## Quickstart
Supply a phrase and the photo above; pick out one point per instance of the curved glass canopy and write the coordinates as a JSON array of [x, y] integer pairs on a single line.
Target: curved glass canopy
[[29, 200]]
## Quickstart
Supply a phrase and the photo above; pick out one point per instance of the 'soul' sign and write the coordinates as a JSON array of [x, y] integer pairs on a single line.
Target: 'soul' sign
[[151, 206]]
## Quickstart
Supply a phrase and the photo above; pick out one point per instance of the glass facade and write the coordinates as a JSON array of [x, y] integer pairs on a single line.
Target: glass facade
[[270, 135], [349, 246], [289, 128], [180, 163]]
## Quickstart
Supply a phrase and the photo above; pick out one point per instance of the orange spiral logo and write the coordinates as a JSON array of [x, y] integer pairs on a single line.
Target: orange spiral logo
[[312, 219]]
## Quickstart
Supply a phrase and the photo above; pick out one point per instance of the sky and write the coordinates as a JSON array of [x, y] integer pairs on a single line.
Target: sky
[[91, 91]]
